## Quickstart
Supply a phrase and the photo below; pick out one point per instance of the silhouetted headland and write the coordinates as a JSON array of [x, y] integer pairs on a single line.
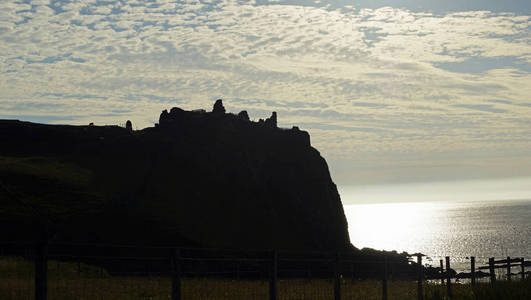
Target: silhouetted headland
[[208, 179]]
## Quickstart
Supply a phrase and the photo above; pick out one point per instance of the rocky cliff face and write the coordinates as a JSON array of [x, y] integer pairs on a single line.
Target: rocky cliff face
[[198, 178]]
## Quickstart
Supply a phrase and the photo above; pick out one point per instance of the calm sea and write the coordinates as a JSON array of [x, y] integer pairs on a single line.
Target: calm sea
[[456, 229]]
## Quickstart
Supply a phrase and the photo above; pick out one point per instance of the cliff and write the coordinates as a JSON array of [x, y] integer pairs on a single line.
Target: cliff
[[209, 179]]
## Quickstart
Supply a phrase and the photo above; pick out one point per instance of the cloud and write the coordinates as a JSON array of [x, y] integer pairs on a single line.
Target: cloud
[[420, 81], [483, 64], [482, 107], [370, 104]]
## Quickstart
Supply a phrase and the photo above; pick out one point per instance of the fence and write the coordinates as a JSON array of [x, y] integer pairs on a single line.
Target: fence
[[446, 275], [273, 275]]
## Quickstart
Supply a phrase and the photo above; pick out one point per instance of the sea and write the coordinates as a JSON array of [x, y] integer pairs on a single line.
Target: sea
[[459, 229]]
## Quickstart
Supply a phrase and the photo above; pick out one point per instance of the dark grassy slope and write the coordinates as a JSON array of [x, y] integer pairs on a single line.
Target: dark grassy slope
[[200, 179]]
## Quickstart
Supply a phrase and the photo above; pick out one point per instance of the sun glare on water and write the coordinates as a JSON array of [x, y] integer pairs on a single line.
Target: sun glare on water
[[441, 218], [391, 226]]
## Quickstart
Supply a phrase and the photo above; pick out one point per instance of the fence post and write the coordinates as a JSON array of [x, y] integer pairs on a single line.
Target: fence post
[[384, 279], [522, 266], [473, 269], [337, 282], [442, 271], [491, 270], [351, 271], [419, 271], [273, 292], [176, 275], [41, 271], [448, 279], [508, 268]]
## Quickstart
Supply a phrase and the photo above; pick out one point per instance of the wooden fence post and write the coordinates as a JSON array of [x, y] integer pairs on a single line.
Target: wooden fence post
[[41, 271], [473, 270], [176, 275], [384, 279], [351, 271], [337, 282], [448, 279], [491, 270], [522, 266], [508, 268], [442, 271], [419, 279], [273, 291]]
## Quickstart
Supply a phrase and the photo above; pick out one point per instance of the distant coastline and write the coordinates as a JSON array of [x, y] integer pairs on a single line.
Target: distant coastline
[[512, 188]]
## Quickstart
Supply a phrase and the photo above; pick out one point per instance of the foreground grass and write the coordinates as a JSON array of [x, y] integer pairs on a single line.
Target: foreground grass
[[501, 290], [192, 289], [73, 281]]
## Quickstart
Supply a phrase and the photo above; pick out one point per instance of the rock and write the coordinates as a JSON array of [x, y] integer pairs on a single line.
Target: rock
[[164, 117], [243, 115], [168, 118], [272, 121], [175, 111], [218, 107]]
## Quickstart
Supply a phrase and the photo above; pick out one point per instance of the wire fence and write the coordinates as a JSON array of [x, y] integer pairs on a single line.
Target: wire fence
[[92, 271]]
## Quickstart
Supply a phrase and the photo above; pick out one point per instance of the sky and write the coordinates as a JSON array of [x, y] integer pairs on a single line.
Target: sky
[[391, 92]]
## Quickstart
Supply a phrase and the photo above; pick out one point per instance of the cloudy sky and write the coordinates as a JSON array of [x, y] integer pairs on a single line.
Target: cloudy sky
[[390, 91]]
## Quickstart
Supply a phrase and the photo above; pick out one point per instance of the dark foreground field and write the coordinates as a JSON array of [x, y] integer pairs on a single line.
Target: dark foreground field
[[79, 281]]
